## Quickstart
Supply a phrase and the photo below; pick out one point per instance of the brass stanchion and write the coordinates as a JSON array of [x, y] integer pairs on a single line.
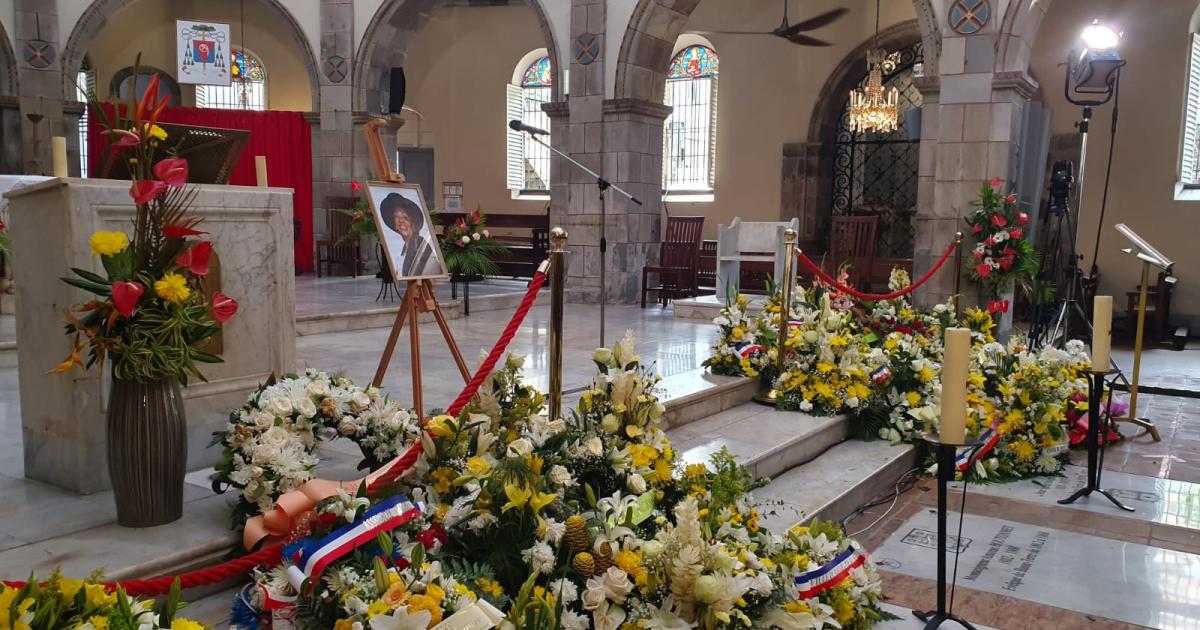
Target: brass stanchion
[[558, 283], [958, 237], [1138, 341], [785, 311]]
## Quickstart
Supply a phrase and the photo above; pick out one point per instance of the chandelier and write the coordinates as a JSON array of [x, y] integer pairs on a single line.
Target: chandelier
[[874, 107]]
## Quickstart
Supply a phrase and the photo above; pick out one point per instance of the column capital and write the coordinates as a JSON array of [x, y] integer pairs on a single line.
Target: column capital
[[1017, 81], [637, 107], [557, 110]]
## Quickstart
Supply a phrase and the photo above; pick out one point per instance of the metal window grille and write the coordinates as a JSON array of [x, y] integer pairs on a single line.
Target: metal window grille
[[689, 139], [1189, 173], [85, 81], [536, 156]]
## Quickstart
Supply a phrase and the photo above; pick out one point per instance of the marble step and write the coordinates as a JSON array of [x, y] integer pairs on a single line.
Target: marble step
[[766, 441], [383, 315], [834, 484]]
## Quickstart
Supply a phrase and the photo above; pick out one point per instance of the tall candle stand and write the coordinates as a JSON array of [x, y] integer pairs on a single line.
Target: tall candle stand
[[1096, 423]]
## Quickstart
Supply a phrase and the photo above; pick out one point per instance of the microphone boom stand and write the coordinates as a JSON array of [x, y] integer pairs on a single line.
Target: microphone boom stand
[[602, 185]]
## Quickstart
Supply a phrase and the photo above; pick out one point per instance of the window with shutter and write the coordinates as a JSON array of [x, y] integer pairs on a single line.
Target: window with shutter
[[528, 161], [690, 131], [1190, 153], [247, 87], [85, 82]]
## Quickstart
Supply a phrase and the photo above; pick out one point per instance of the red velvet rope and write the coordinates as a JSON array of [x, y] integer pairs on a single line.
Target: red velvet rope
[[828, 279], [269, 556]]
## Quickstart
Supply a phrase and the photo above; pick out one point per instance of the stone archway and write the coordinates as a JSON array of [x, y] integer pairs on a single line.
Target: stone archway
[[8, 65], [100, 11], [10, 112], [386, 39]]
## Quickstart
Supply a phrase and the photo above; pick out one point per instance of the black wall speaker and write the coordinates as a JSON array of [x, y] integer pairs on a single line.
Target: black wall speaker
[[396, 91]]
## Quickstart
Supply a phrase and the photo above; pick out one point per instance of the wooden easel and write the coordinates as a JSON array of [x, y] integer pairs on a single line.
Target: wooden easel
[[419, 297]]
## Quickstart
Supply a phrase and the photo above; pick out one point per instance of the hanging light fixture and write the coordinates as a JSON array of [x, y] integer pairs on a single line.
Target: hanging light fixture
[[874, 107]]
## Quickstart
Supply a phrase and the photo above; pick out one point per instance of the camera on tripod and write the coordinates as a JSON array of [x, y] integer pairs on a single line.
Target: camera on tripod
[[1061, 179]]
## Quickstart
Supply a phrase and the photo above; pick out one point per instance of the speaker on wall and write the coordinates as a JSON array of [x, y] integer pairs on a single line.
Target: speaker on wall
[[396, 91]]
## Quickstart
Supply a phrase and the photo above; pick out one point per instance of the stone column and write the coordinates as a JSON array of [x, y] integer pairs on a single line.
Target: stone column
[[40, 77], [334, 143]]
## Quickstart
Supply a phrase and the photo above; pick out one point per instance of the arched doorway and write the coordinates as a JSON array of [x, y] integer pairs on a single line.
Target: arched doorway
[[10, 113], [876, 173]]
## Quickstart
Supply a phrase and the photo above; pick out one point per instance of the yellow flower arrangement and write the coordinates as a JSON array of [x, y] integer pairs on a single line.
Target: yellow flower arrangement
[[173, 288], [105, 243]]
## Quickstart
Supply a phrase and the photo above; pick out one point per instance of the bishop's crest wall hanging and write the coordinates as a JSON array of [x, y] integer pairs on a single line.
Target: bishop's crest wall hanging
[[203, 52]]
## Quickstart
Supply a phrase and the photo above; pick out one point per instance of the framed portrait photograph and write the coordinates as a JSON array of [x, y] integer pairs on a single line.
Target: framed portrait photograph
[[410, 245]]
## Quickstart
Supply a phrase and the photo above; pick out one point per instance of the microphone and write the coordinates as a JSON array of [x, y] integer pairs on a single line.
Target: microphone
[[517, 125]]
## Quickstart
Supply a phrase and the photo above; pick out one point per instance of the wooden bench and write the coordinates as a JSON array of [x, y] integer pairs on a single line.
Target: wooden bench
[[527, 250]]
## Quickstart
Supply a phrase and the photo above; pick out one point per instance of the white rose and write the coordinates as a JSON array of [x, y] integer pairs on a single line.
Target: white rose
[[706, 589], [636, 483], [806, 405], [515, 361], [520, 447], [556, 426], [263, 454], [559, 475], [306, 408], [360, 400], [593, 597], [617, 584], [466, 240], [263, 420], [811, 336], [477, 236], [652, 549], [275, 436], [317, 388], [594, 446], [602, 355], [610, 423], [394, 421], [347, 426], [281, 405]]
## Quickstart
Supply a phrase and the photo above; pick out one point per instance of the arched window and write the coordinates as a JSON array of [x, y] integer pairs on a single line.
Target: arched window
[[1189, 156], [247, 87], [85, 81], [528, 161], [690, 132]]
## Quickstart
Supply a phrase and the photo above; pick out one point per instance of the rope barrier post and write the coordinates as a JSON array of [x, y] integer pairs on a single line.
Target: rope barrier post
[[958, 237], [785, 310], [558, 283]]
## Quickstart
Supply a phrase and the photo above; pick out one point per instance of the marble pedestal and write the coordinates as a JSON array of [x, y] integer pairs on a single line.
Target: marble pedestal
[[63, 415]]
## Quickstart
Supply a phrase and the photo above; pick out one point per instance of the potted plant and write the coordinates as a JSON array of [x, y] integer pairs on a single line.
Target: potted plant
[[1002, 255], [362, 220], [150, 317], [468, 247]]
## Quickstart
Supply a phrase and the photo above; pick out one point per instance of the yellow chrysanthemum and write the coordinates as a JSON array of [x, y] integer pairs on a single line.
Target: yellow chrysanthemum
[[98, 622], [1023, 450], [417, 603], [185, 624], [108, 243], [173, 288], [490, 587], [343, 624]]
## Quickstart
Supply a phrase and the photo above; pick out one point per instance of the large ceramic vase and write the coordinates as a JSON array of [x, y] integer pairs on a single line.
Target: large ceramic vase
[[147, 451]]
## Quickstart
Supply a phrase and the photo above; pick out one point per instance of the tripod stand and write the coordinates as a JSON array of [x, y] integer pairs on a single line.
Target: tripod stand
[[602, 185], [1096, 424]]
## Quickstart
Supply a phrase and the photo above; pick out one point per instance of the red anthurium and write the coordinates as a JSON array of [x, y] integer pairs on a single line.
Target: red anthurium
[[173, 171], [355, 186], [1022, 218], [998, 220], [223, 306], [1016, 233], [1012, 198], [1006, 263], [125, 138], [983, 269], [989, 241], [125, 296], [1010, 252], [144, 191], [997, 306], [995, 183], [976, 229], [180, 231], [195, 258]]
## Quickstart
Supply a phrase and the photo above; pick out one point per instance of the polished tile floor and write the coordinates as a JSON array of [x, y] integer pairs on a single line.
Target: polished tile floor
[[335, 294]]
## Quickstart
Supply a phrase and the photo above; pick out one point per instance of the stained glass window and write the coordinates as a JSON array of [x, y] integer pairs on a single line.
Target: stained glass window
[[247, 88], [538, 74], [690, 131], [694, 61]]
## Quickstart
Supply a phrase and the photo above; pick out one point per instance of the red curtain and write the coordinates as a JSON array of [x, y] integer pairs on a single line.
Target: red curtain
[[283, 137]]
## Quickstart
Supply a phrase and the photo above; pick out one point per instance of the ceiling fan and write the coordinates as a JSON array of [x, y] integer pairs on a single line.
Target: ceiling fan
[[794, 32]]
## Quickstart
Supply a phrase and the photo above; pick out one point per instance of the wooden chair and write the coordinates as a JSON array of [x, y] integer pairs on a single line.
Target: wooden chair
[[1158, 310], [852, 240], [706, 273], [679, 260], [337, 225]]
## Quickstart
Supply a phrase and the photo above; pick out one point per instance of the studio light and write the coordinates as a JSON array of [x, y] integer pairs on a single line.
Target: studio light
[[1094, 70]]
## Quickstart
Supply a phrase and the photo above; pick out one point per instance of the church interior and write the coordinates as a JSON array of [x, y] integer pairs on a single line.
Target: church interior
[[751, 313]]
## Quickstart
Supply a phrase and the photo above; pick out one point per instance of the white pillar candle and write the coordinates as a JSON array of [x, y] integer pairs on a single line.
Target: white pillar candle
[[953, 426], [260, 166], [1101, 332], [59, 144]]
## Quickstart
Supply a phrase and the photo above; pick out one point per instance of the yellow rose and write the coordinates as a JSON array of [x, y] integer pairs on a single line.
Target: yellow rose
[[108, 243], [478, 466], [173, 288]]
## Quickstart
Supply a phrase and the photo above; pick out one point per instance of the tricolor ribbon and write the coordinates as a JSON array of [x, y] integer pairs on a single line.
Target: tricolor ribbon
[[881, 375], [315, 555], [971, 454], [830, 574], [745, 349]]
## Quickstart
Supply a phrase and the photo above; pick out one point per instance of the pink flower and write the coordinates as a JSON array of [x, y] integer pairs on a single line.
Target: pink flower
[[984, 270], [180, 231], [173, 171], [998, 220], [144, 191], [223, 307], [1012, 198], [995, 183], [195, 258], [125, 296]]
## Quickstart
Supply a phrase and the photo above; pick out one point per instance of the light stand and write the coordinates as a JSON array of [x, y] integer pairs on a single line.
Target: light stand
[[1095, 452], [602, 185], [945, 474]]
